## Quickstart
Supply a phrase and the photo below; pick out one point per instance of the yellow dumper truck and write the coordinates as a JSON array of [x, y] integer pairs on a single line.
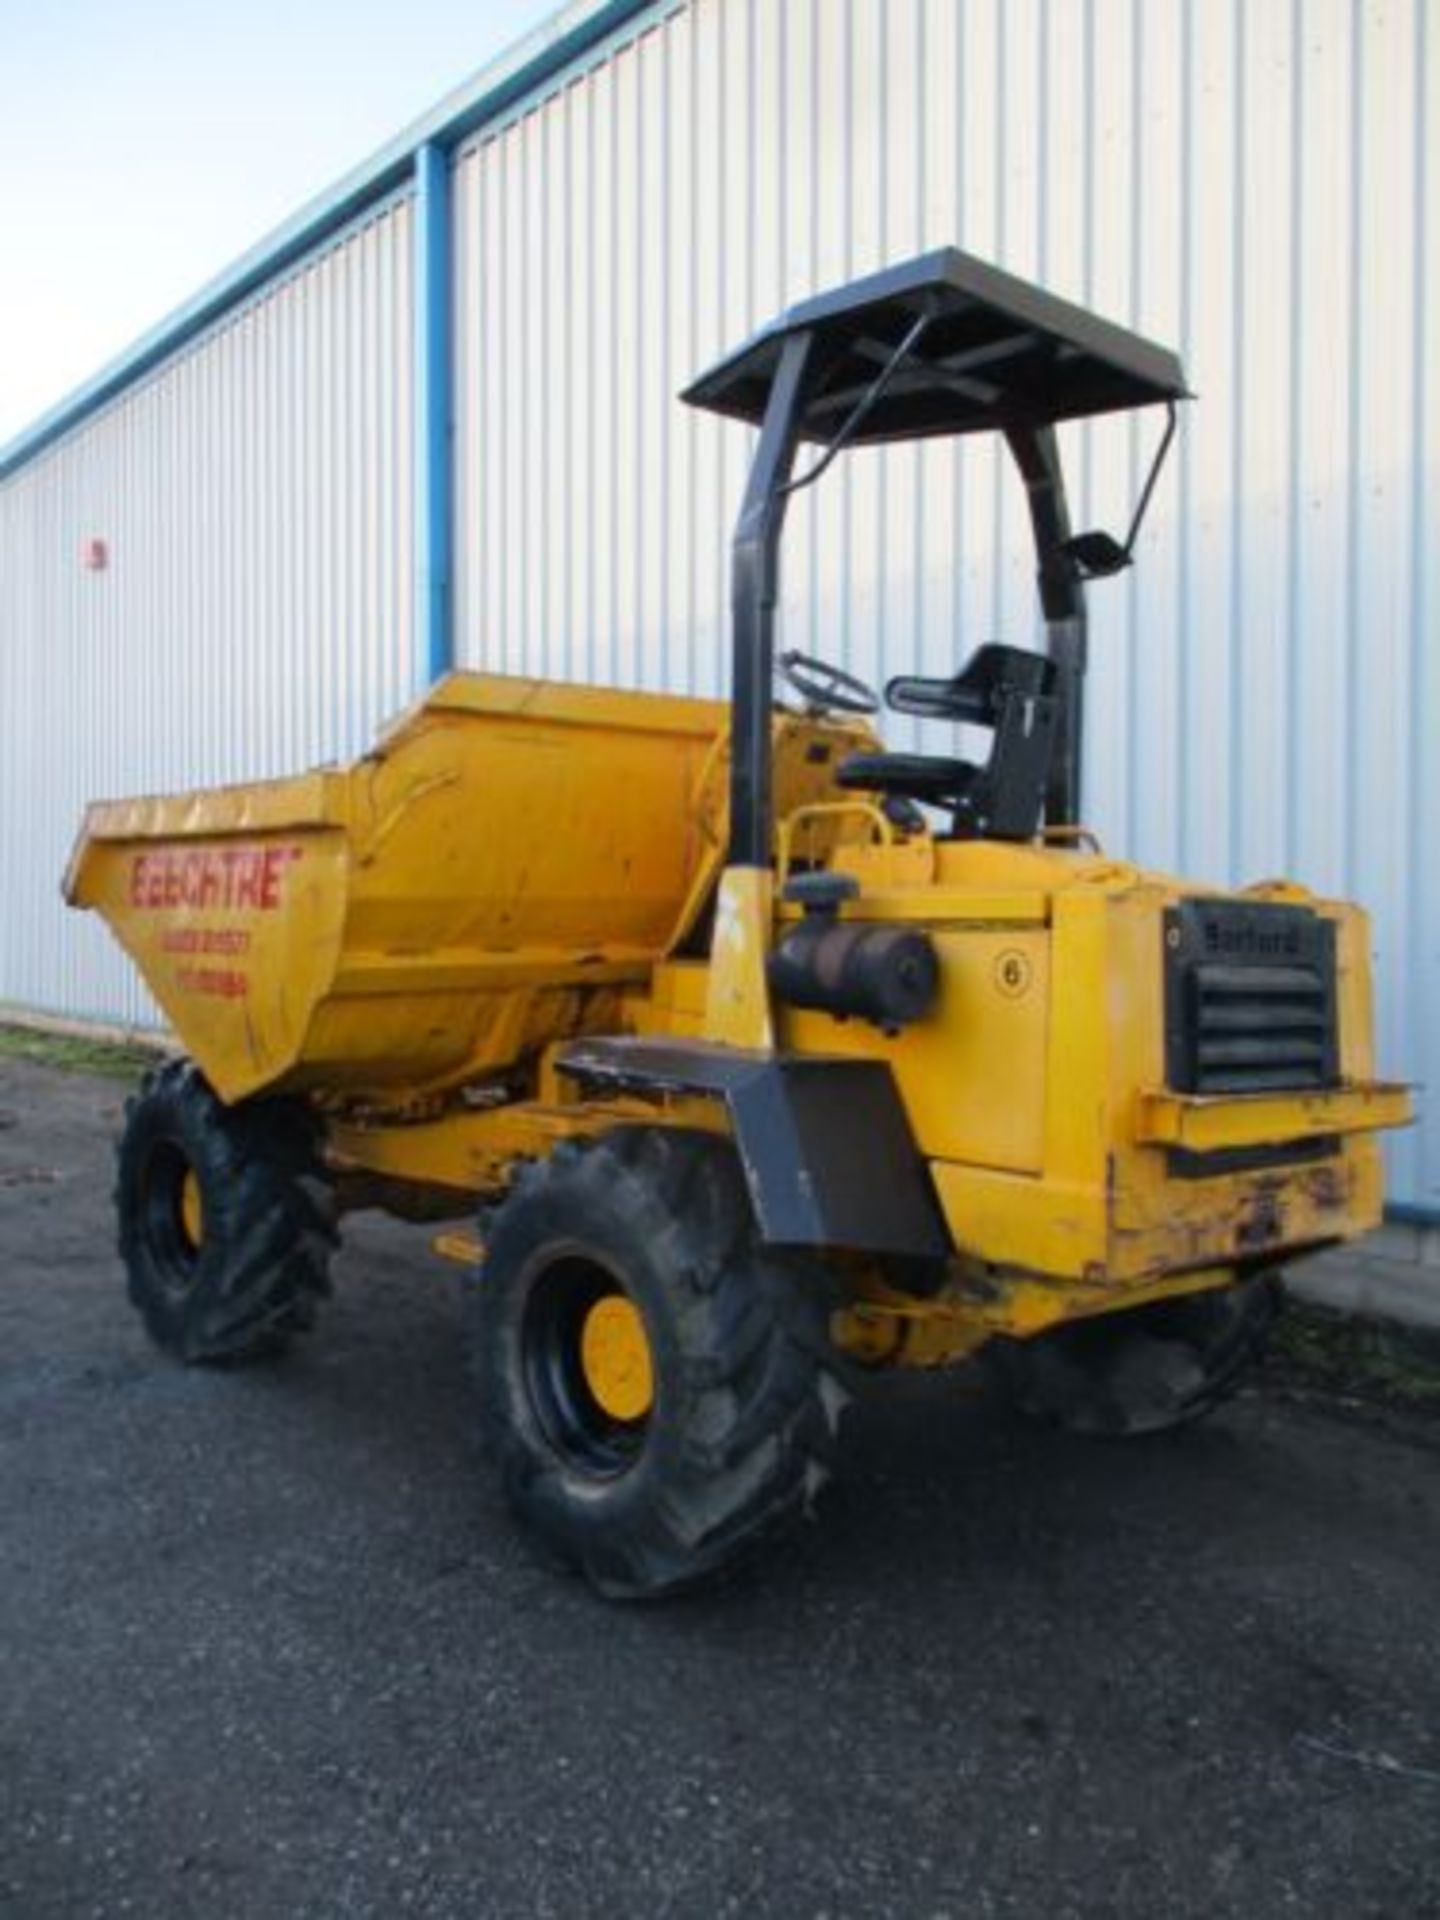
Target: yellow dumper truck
[[729, 1050]]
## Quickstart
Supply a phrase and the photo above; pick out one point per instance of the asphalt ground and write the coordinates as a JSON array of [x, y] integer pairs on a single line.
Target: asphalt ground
[[270, 1646]]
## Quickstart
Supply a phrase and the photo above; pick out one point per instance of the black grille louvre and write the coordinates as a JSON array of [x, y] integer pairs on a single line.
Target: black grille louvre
[[1250, 1002]]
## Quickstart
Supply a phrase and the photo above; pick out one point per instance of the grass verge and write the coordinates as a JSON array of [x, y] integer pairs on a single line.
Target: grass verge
[[1371, 1361], [115, 1059]]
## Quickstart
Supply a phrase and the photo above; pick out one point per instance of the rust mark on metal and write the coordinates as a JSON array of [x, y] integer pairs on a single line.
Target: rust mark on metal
[[1329, 1186], [1263, 1221]]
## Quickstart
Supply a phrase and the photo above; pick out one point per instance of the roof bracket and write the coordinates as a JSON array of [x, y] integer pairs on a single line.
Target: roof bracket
[[853, 420]]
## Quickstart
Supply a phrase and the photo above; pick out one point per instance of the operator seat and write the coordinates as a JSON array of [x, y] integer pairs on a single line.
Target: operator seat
[[1010, 691]]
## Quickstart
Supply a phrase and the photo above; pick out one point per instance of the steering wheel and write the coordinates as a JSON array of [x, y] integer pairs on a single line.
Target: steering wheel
[[823, 688]]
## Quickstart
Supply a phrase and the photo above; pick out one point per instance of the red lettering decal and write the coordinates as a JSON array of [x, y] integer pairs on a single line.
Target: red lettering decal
[[203, 878], [225, 983]]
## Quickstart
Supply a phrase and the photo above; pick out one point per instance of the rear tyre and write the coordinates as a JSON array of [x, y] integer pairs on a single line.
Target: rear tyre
[[1143, 1371], [653, 1383], [226, 1216]]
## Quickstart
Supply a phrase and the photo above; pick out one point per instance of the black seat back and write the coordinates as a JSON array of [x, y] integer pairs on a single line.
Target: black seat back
[[978, 691], [1011, 691]]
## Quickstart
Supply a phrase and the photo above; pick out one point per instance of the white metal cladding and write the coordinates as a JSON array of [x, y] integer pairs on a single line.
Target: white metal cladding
[[254, 496], [1255, 184]]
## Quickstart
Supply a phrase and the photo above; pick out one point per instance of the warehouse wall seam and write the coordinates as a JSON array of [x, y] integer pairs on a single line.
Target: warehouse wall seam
[[1405, 1213]]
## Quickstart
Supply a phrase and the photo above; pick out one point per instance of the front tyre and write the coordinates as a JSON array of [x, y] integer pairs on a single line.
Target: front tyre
[[1145, 1370], [226, 1217], [653, 1382]]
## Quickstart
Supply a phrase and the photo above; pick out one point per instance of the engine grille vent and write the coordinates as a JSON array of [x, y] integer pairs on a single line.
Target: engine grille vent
[[1249, 998]]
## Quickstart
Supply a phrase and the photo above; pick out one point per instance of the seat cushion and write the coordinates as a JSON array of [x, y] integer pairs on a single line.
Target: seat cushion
[[916, 776]]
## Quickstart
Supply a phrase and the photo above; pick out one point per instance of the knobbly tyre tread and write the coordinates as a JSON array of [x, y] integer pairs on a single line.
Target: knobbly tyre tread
[[1147, 1370], [270, 1218], [748, 1401]]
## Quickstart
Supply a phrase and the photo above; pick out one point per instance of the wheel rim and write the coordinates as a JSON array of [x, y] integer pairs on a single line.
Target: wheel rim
[[588, 1365], [192, 1210], [615, 1356], [172, 1216]]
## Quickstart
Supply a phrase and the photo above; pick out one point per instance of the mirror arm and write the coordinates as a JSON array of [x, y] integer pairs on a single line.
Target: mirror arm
[[1155, 465]]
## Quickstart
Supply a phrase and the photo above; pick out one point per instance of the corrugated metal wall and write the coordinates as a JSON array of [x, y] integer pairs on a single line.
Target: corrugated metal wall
[[254, 497], [1255, 183]]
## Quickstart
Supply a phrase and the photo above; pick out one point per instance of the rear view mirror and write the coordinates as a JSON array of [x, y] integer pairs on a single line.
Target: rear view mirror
[[1097, 554]]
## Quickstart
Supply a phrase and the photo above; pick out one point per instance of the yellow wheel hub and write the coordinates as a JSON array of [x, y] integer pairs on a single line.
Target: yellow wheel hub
[[615, 1354], [192, 1211]]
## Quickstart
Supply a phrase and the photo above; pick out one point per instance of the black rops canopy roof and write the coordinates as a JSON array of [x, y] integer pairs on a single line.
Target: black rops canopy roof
[[996, 353]]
